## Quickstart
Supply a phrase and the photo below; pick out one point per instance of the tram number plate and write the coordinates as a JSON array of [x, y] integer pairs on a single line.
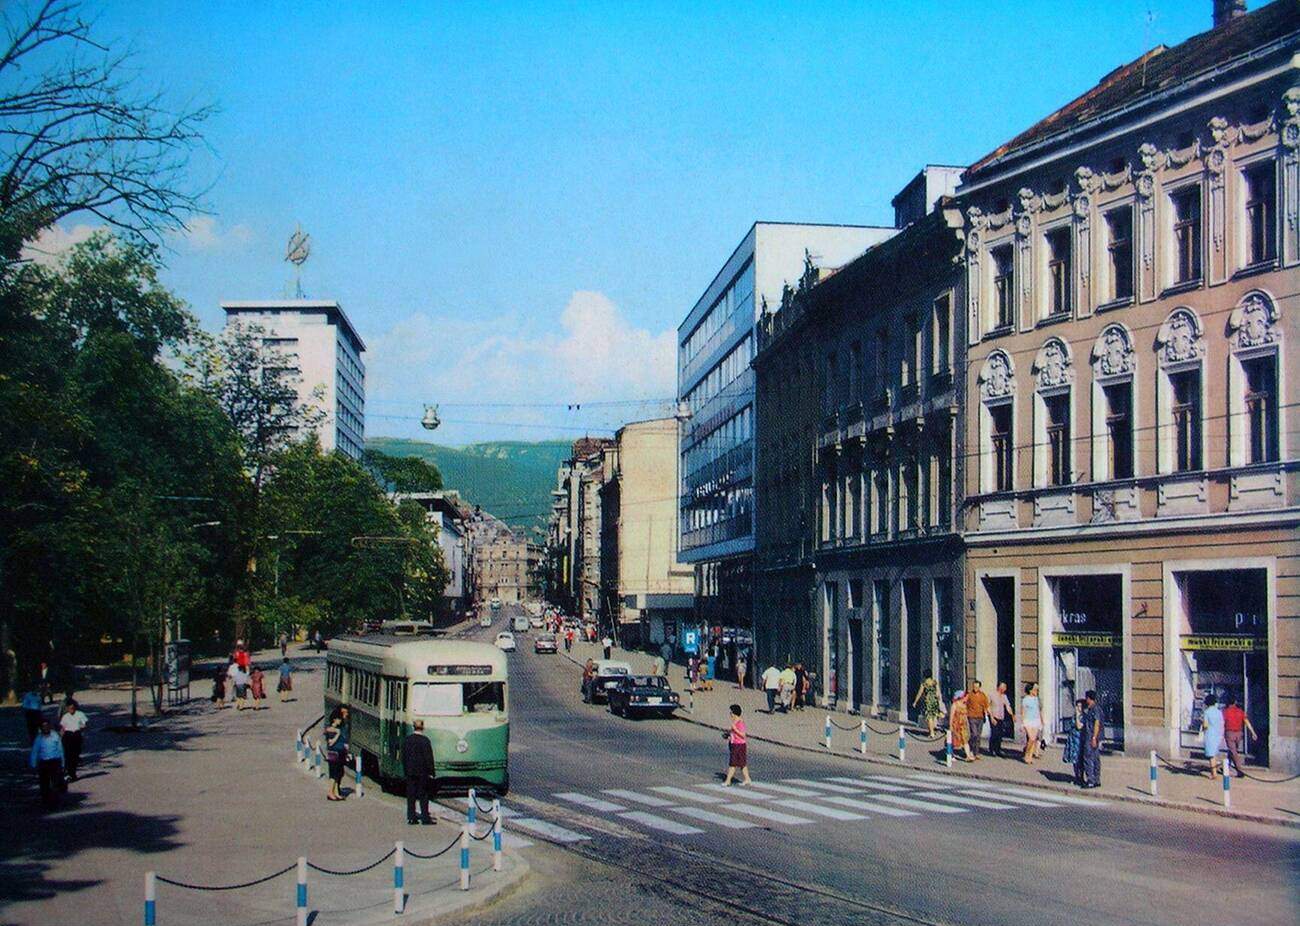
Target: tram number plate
[[460, 670]]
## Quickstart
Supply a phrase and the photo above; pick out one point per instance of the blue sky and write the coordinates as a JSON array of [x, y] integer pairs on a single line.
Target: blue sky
[[519, 202]]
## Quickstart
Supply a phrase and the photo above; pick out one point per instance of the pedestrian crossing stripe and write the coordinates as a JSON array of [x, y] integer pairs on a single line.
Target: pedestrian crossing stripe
[[967, 799], [1051, 796], [511, 841], [654, 821], [863, 785], [739, 791], [823, 786], [858, 803], [787, 790], [591, 803], [920, 805], [1016, 799], [548, 830], [766, 813], [689, 795], [937, 780], [871, 780], [818, 810], [709, 816], [636, 798]]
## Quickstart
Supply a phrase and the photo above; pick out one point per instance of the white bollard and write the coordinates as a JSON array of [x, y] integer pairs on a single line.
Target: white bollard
[[1155, 789], [826, 731], [399, 879], [464, 856], [150, 899], [902, 744], [360, 790], [471, 815], [496, 834], [1227, 788], [320, 761], [302, 892], [862, 736], [947, 748]]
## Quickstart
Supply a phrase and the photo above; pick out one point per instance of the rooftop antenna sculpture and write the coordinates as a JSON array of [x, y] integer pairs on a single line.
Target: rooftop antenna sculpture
[[297, 252]]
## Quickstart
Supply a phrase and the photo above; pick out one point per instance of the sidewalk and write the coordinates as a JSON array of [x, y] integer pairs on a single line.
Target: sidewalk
[[213, 797], [1125, 778]]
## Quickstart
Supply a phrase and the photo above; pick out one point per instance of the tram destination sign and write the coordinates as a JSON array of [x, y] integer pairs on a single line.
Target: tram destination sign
[[1086, 640], [460, 670], [1221, 642]]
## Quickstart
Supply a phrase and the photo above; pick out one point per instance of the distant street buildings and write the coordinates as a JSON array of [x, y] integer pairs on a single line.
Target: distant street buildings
[[451, 516], [324, 351], [575, 529]]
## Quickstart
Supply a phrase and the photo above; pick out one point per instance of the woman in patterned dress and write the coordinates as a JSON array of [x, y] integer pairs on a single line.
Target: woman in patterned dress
[[928, 697], [959, 728]]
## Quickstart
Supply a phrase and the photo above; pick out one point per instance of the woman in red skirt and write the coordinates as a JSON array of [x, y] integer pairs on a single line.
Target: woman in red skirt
[[737, 748]]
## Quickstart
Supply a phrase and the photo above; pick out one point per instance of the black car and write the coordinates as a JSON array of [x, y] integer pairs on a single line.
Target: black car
[[635, 695]]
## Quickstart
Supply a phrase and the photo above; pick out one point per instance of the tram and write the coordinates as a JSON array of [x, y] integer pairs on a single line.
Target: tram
[[458, 688]]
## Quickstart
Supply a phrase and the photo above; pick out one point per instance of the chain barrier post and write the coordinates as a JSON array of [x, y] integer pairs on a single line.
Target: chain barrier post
[[827, 731], [302, 892], [902, 744], [399, 879], [472, 814], [496, 834], [360, 790], [862, 736], [1227, 790], [947, 748], [464, 856], [150, 899], [1154, 785]]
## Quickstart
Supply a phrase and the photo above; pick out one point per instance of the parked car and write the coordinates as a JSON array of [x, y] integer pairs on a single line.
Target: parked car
[[636, 695], [545, 643], [608, 674], [506, 641], [535, 622]]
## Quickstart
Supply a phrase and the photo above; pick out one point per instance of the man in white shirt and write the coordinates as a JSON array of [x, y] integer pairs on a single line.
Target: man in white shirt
[[771, 685], [47, 759], [71, 724]]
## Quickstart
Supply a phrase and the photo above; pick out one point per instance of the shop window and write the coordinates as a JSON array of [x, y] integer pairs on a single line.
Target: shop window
[[1119, 246], [1001, 445], [1087, 647], [1003, 285], [1186, 205], [1119, 429], [1186, 407], [1261, 408], [1058, 272], [1261, 212], [1057, 410]]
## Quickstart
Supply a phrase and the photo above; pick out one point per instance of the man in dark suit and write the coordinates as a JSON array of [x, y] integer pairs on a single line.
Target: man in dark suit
[[417, 766]]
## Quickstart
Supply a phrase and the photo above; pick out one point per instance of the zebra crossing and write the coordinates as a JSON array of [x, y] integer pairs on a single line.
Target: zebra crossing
[[698, 809]]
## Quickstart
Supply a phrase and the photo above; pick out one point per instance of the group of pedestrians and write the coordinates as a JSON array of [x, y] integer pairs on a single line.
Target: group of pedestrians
[[56, 747], [788, 689], [244, 681]]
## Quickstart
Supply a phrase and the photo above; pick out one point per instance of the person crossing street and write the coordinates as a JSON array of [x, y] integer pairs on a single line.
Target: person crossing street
[[418, 769]]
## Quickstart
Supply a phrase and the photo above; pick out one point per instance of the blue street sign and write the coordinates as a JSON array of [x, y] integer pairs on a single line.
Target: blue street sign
[[691, 641]]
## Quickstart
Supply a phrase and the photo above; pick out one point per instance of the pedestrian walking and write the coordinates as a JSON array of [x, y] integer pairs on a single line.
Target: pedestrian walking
[[32, 713], [568, 640], [788, 681], [336, 751], [242, 657], [741, 666], [608, 645], [958, 725], [588, 676], [1002, 719], [1070, 754], [771, 679], [72, 725], [927, 696], [666, 651], [1031, 717], [1236, 729], [1088, 766], [800, 686], [257, 687], [317, 642], [977, 708], [1212, 731], [285, 685], [47, 691], [47, 759], [418, 768], [219, 687], [737, 748], [284, 644], [239, 681]]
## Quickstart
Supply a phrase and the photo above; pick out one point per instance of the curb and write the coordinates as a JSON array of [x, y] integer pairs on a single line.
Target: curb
[[976, 776]]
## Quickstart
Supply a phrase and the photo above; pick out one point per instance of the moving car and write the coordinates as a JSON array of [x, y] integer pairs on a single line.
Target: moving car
[[608, 674], [634, 695], [485, 619], [519, 623], [506, 641], [535, 622], [545, 643]]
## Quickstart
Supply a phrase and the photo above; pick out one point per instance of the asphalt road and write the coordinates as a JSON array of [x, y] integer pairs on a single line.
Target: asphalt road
[[830, 850]]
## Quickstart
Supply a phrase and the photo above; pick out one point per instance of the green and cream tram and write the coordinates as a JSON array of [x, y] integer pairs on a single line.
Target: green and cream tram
[[456, 687]]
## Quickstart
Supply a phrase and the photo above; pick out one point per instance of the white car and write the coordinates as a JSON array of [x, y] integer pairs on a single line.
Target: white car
[[506, 641], [535, 623]]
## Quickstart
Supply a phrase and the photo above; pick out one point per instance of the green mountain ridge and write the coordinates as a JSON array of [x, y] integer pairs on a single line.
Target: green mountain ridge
[[509, 479]]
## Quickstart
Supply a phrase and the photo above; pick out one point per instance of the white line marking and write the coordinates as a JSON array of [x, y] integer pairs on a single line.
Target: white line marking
[[871, 806], [868, 785], [506, 812], [920, 805], [548, 830], [810, 807], [744, 792], [910, 782], [766, 813], [965, 799], [1054, 796], [511, 841], [838, 789], [786, 789], [689, 795], [593, 803], [709, 816], [639, 798], [659, 823], [947, 781], [1014, 799]]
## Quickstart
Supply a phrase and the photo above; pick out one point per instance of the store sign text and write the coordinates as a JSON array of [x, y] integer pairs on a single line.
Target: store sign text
[[1086, 640], [1223, 643]]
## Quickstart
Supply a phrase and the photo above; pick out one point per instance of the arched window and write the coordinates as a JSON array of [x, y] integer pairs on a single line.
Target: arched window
[[1053, 414], [1180, 402], [997, 385], [1254, 419], [1114, 420]]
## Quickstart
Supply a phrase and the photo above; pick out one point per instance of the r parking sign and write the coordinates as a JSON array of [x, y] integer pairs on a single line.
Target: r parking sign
[[691, 641]]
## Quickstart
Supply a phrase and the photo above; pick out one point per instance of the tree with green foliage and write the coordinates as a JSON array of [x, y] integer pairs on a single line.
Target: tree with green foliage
[[402, 474]]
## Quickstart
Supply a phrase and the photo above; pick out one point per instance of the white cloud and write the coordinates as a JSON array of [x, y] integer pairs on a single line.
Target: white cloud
[[595, 355], [205, 233], [52, 242]]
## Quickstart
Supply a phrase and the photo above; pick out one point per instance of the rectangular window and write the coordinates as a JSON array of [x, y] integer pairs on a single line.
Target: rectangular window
[[853, 505], [880, 373], [1186, 389], [943, 480], [1003, 284], [1119, 429], [855, 593], [1119, 230], [1058, 271], [855, 370], [1000, 416], [911, 486], [1261, 213], [1261, 409], [1187, 234], [882, 501], [942, 335], [1057, 408], [912, 352]]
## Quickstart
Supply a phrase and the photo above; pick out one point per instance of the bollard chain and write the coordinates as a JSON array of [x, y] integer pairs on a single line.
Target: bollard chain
[[355, 871], [226, 887], [443, 851]]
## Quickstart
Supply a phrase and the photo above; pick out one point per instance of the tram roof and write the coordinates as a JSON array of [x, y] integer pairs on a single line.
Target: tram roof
[[407, 650]]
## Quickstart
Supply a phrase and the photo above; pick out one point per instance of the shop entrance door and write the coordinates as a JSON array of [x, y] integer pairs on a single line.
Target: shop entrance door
[[884, 684], [1082, 669], [1087, 648]]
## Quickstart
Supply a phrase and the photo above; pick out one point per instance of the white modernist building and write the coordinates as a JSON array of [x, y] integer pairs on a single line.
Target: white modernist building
[[327, 350]]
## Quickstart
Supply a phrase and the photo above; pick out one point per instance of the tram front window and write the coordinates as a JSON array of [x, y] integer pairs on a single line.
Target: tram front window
[[485, 697], [434, 699]]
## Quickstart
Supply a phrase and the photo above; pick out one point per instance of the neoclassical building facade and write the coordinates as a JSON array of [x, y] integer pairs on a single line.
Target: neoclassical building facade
[[1132, 514]]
